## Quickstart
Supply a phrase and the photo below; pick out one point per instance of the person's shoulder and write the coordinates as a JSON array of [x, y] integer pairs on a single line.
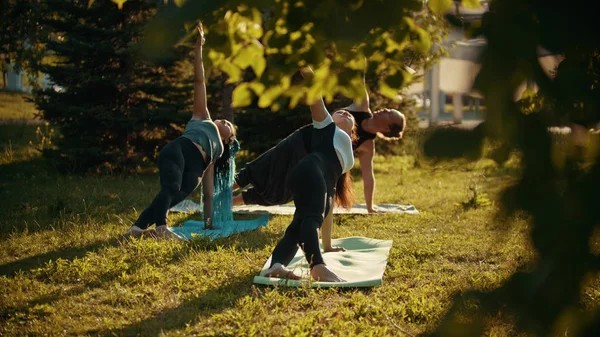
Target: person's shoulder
[[202, 122]]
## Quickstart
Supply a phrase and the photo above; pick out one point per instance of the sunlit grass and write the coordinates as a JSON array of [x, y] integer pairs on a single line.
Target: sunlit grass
[[65, 271], [14, 105]]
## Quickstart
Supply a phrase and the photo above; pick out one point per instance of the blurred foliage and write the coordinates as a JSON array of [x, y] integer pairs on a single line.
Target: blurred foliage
[[274, 39], [560, 194], [259, 46], [112, 108]]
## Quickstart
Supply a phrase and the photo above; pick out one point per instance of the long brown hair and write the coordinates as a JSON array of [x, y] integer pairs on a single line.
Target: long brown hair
[[344, 195]]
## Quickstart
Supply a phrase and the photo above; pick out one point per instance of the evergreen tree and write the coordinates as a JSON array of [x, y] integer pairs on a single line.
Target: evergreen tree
[[113, 108]]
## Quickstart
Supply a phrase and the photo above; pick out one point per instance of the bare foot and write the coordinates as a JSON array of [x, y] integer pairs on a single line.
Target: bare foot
[[376, 211], [279, 271], [133, 232], [334, 249], [321, 273], [150, 233], [162, 232]]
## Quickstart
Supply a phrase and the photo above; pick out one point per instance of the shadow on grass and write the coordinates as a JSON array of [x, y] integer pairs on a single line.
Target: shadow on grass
[[187, 313], [38, 261], [17, 134], [28, 168], [27, 309], [255, 239], [250, 239]]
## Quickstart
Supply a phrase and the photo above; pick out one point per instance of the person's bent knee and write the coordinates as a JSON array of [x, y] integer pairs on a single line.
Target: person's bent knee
[[242, 178]]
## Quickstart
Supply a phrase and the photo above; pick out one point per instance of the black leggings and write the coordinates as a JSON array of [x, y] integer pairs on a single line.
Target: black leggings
[[181, 167], [269, 173], [312, 201]]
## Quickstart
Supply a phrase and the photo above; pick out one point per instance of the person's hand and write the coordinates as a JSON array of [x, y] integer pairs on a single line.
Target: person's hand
[[208, 224], [334, 249], [200, 41]]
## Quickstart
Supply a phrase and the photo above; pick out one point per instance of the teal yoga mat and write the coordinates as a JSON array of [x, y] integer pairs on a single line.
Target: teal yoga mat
[[361, 265], [192, 228]]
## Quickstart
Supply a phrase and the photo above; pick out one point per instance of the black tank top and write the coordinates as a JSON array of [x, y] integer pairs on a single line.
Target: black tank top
[[359, 117]]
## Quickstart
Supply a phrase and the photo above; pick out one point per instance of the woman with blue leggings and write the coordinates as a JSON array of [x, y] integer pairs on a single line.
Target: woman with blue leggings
[[318, 177]]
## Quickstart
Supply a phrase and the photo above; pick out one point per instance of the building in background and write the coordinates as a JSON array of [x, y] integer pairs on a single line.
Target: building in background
[[15, 80], [451, 80]]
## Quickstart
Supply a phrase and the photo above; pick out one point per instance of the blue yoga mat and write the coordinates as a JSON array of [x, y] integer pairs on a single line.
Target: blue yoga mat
[[193, 228]]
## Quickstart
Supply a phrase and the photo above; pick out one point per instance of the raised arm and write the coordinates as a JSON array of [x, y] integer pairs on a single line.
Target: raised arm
[[317, 108], [365, 154], [362, 103], [200, 106]]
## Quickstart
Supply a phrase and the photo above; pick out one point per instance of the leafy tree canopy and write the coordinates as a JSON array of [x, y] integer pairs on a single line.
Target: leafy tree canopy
[[264, 43]]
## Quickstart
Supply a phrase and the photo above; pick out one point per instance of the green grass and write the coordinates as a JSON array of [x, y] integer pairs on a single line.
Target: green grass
[[14, 106], [63, 270]]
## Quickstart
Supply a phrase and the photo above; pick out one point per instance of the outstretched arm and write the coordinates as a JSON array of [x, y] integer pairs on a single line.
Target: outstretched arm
[[365, 154], [326, 231], [361, 103], [317, 108], [200, 106]]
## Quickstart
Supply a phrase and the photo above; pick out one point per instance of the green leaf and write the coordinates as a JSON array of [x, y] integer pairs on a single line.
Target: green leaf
[[387, 90], [528, 93], [234, 73], [242, 96], [295, 93], [179, 3], [119, 3], [257, 87], [258, 62], [270, 95], [471, 3], [440, 6], [423, 43]]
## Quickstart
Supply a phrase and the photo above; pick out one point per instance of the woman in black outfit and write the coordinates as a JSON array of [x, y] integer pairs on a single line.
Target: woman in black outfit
[[313, 184]]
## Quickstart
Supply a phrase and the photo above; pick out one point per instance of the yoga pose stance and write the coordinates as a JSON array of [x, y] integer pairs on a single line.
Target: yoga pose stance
[[314, 181], [269, 173], [188, 159]]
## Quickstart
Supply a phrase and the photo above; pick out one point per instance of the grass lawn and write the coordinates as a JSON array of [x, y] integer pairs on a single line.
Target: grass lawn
[[63, 270], [14, 106]]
